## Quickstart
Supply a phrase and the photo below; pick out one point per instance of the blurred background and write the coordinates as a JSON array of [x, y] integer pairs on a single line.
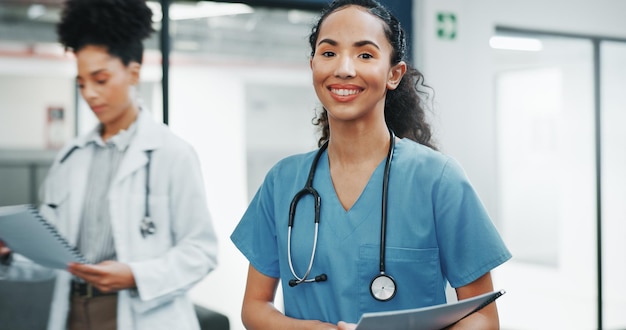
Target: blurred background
[[529, 96]]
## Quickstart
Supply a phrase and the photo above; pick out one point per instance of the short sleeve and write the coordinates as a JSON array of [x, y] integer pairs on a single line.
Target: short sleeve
[[470, 245], [255, 235]]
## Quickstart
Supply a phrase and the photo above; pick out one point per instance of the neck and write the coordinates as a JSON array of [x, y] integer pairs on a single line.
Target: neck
[[358, 146], [123, 122]]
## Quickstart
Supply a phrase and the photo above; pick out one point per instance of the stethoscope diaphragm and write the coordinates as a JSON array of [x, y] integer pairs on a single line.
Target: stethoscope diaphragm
[[383, 287]]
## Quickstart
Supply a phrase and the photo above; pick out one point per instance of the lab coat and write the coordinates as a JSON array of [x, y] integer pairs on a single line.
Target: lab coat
[[165, 264]]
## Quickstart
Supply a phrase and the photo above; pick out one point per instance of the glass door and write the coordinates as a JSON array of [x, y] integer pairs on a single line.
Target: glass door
[[613, 103], [546, 175]]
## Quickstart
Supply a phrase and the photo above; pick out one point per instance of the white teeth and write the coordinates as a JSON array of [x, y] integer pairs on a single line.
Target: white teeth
[[345, 92]]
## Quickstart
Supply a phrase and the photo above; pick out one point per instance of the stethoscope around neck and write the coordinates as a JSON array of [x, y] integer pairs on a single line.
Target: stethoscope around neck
[[147, 226], [382, 286]]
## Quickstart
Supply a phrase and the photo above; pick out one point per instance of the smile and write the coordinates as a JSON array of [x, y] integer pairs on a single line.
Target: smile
[[345, 92]]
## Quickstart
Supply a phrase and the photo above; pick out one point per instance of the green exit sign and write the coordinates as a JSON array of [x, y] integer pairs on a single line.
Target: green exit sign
[[446, 25]]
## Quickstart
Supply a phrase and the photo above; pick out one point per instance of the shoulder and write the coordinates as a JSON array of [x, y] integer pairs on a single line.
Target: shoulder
[[158, 136], [413, 154], [76, 144], [294, 163], [290, 169], [427, 165]]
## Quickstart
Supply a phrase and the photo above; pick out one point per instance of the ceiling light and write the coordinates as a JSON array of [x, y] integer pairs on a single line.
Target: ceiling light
[[516, 43], [180, 11], [35, 11]]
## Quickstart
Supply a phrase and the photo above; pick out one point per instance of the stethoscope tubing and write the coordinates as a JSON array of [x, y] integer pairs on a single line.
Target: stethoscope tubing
[[383, 216], [307, 190], [382, 292], [147, 226], [304, 277]]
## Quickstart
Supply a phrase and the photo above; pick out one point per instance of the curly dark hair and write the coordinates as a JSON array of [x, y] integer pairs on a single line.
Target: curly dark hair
[[119, 25], [404, 113]]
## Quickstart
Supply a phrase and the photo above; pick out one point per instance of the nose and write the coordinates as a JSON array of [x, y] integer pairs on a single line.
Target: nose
[[88, 91], [345, 67]]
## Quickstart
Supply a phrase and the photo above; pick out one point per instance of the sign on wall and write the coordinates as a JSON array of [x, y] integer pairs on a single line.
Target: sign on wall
[[446, 25], [55, 127]]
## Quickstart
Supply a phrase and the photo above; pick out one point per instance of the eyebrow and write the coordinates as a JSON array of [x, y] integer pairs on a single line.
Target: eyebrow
[[356, 44]]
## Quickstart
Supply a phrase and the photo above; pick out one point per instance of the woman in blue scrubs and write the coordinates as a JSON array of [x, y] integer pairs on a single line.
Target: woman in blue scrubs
[[374, 138]]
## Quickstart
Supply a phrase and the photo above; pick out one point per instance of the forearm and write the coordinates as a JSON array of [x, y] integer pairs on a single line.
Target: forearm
[[263, 315], [481, 320], [487, 317]]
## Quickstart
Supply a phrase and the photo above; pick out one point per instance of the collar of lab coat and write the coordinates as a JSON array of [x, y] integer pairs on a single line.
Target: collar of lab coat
[[150, 136], [147, 138]]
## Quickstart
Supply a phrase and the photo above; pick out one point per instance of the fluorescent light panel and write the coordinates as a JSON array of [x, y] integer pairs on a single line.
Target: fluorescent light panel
[[516, 43], [199, 10]]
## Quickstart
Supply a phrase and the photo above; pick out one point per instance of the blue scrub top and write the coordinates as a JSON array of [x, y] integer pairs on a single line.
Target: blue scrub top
[[437, 231]]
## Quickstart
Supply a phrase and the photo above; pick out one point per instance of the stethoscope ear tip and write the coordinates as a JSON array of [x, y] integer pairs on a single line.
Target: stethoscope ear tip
[[293, 283]]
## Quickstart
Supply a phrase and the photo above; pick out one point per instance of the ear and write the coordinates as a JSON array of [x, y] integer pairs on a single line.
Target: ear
[[395, 75], [134, 70]]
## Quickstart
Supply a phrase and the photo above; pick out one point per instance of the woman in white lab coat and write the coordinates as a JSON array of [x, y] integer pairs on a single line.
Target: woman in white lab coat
[[152, 235]]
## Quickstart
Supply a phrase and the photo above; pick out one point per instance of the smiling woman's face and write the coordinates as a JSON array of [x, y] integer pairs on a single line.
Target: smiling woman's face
[[351, 65]]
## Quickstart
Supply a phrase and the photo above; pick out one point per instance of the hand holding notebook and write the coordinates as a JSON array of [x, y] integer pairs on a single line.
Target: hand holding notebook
[[25, 231], [427, 318]]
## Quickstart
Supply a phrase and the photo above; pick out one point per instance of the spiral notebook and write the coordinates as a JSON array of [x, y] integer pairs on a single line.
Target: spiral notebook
[[26, 232], [427, 318]]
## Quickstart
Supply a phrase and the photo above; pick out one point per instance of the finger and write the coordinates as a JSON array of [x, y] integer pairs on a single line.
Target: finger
[[94, 280], [86, 269], [346, 326], [76, 270], [88, 273]]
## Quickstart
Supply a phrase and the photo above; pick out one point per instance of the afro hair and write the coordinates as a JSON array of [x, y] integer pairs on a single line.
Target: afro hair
[[119, 25]]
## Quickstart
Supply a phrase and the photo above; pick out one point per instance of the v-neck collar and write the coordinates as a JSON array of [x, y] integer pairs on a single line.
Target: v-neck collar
[[375, 181], [367, 205]]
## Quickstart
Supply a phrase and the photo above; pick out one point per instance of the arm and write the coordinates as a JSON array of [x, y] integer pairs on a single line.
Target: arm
[[259, 312], [484, 319]]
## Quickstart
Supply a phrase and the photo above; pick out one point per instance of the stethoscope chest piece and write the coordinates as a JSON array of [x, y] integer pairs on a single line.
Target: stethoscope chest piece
[[147, 227], [383, 287]]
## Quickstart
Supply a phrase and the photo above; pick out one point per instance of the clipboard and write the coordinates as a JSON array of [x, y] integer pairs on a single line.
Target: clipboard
[[427, 318], [26, 232]]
